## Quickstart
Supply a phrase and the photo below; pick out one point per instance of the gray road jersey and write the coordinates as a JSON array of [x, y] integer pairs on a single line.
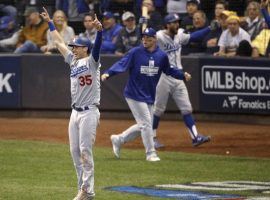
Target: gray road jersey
[[173, 46], [84, 80]]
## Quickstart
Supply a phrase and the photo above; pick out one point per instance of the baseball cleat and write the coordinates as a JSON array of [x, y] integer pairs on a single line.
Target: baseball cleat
[[76, 198], [83, 195], [116, 144], [152, 158], [157, 144], [200, 139]]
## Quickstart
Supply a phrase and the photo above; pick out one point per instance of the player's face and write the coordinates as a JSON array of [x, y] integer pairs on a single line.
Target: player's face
[[88, 22], [149, 42], [79, 52], [173, 27]]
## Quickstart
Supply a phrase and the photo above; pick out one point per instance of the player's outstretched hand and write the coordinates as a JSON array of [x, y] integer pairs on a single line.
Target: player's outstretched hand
[[97, 24], [187, 76], [104, 77], [45, 15]]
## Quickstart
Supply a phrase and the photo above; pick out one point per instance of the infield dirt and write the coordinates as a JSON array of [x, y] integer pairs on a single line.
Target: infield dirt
[[238, 139]]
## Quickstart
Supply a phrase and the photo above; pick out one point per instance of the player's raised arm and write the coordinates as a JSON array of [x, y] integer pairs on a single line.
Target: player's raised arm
[[56, 37], [98, 40]]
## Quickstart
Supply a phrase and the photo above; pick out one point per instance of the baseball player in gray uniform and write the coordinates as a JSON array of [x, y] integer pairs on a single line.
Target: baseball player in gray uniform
[[170, 40], [85, 96]]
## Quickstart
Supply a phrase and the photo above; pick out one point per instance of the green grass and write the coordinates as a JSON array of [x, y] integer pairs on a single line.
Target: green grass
[[38, 170]]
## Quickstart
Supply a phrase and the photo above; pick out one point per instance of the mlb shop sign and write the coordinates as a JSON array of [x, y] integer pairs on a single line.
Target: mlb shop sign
[[235, 89]]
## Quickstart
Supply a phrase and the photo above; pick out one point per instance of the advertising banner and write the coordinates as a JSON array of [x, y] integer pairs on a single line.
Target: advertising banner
[[10, 82], [239, 89]]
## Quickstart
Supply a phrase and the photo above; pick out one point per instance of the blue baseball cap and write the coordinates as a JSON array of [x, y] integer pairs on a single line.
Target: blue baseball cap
[[108, 14], [171, 18], [80, 42], [149, 32], [4, 21]]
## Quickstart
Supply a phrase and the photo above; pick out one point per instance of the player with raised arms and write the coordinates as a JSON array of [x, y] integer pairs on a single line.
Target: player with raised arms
[[85, 96]]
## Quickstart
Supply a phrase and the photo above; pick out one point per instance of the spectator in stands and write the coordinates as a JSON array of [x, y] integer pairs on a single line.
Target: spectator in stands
[[33, 35], [119, 6], [8, 10], [129, 36], [8, 28], [90, 31], [265, 5], [74, 9], [210, 41], [253, 23], [155, 19], [220, 6], [261, 43], [199, 22], [230, 39], [159, 5], [110, 33], [244, 48], [178, 7], [22, 5], [187, 21], [66, 32]]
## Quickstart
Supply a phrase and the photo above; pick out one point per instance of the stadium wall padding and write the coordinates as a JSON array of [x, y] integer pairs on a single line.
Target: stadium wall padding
[[218, 85]]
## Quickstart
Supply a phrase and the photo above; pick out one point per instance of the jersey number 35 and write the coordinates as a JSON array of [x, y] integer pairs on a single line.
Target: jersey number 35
[[85, 80]]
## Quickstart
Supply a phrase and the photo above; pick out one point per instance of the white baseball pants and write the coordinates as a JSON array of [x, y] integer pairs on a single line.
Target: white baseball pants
[[142, 113], [82, 135]]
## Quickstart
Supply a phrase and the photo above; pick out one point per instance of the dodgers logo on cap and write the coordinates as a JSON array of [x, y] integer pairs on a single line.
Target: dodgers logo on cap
[[80, 42], [149, 32], [171, 18]]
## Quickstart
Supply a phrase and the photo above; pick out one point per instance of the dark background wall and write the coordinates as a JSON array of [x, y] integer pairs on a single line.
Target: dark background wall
[[42, 83]]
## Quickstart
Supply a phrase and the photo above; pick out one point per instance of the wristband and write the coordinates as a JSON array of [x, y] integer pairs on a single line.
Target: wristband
[[51, 26]]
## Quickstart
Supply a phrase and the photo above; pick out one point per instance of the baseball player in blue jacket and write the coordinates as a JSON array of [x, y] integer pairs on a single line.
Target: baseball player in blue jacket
[[171, 40], [84, 65], [145, 64]]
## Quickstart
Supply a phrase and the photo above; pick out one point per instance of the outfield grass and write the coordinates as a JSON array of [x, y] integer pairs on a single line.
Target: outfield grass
[[38, 170]]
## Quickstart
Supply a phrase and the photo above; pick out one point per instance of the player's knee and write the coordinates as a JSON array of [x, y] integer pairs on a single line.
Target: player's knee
[[186, 112], [158, 111], [145, 125]]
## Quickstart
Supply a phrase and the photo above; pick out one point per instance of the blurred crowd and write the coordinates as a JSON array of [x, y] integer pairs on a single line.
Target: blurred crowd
[[22, 30]]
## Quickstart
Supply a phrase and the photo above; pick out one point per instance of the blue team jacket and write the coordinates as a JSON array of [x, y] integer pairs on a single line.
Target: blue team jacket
[[144, 72]]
